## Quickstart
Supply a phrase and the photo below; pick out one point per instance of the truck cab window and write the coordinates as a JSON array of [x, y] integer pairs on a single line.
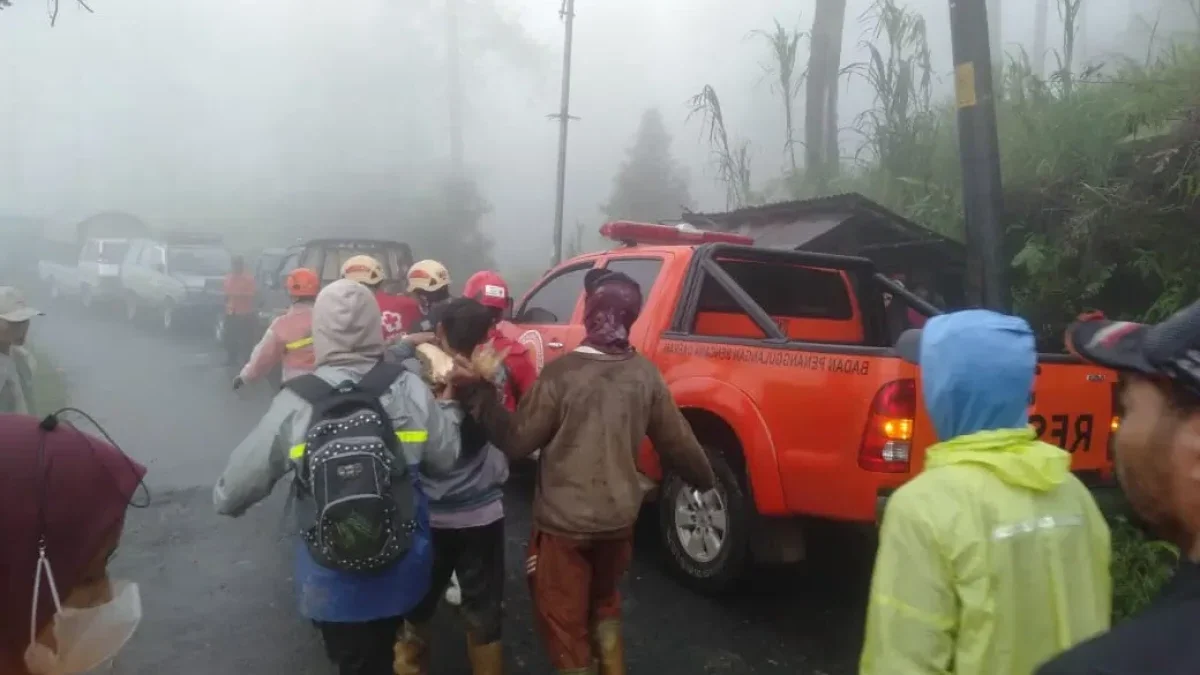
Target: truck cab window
[[554, 302], [642, 270], [807, 303]]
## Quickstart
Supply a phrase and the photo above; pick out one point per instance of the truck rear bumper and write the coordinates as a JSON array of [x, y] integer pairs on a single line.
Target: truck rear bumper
[[1109, 498]]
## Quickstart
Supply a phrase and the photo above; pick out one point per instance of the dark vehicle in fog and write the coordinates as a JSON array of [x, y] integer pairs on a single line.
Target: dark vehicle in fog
[[325, 257]]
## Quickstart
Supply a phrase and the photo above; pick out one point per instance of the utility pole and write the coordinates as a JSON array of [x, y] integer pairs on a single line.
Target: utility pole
[[567, 13], [979, 152]]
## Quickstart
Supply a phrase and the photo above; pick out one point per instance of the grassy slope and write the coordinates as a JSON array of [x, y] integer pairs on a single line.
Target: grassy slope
[[49, 385]]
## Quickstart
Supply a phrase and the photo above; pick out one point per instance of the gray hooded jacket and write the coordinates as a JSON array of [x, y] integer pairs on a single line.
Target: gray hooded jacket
[[348, 343]]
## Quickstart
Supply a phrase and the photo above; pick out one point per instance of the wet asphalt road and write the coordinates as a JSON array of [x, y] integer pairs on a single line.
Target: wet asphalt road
[[217, 593]]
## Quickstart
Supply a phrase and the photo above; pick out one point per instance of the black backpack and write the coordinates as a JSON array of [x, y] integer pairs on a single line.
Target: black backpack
[[353, 471]]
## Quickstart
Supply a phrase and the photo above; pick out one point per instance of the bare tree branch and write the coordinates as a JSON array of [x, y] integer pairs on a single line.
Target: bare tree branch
[[51, 8]]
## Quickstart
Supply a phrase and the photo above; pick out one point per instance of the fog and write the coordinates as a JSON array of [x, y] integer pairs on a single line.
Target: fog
[[217, 114]]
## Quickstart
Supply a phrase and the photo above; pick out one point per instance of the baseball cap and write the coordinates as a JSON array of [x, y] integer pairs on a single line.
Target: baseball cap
[[1170, 349], [13, 307]]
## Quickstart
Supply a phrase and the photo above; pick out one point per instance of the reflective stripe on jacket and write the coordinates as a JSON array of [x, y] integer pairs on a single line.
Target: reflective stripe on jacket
[[288, 341]]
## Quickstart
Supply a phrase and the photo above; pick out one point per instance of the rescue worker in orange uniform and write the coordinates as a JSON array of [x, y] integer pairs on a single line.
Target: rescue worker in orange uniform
[[398, 311], [288, 340], [238, 333]]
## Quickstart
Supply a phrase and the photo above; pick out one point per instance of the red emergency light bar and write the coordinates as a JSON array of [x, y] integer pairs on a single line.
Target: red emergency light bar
[[627, 232]]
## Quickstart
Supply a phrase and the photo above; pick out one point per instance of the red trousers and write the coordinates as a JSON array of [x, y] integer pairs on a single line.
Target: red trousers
[[574, 586]]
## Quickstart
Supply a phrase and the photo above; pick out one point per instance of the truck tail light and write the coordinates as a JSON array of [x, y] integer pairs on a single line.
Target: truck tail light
[[1115, 424], [887, 440]]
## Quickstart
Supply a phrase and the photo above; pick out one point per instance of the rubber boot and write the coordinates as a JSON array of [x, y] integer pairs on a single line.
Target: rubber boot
[[486, 659], [412, 650], [610, 646]]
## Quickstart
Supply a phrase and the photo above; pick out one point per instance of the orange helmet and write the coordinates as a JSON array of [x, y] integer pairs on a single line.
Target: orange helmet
[[303, 283], [364, 269]]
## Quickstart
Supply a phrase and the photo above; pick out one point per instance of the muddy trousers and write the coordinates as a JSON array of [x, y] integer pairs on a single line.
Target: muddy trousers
[[361, 648], [576, 600], [477, 555]]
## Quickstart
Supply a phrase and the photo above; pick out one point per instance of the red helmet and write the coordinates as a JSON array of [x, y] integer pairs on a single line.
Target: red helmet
[[488, 288]]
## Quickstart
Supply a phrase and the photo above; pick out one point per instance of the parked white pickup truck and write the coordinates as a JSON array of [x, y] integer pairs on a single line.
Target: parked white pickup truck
[[94, 277]]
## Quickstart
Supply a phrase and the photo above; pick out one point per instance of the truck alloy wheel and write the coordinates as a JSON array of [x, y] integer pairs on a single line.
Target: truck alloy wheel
[[706, 536], [701, 523]]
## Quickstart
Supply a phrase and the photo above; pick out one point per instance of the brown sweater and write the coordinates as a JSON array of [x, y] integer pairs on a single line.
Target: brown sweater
[[588, 412]]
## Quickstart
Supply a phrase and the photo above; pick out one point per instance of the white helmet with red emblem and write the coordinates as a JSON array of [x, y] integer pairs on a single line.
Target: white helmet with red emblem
[[428, 276]]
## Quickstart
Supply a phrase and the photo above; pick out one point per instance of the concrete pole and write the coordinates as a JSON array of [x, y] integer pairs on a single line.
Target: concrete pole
[[564, 119]]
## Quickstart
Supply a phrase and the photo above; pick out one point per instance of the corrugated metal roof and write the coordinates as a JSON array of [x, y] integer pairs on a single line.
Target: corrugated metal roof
[[805, 223]]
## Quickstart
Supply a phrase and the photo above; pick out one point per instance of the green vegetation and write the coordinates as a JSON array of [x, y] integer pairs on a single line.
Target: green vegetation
[[49, 385], [1139, 568], [1101, 167]]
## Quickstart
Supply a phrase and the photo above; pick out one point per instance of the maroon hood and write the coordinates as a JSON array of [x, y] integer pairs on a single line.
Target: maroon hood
[[84, 485], [613, 303]]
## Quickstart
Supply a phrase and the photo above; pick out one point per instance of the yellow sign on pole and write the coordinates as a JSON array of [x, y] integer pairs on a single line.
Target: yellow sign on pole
[[964, 84]]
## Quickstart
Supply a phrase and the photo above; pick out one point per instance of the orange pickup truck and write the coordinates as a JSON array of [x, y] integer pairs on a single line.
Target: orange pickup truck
[[782, 362]]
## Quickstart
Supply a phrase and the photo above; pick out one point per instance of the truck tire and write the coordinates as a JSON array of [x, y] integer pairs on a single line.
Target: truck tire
[[707, 545], [131, 308]]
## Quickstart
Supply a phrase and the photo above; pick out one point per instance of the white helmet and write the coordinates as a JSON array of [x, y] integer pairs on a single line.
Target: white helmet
[[364, 269], [428, 276]]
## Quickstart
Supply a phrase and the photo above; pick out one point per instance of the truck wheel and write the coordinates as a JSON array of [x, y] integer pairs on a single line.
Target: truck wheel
[[131, 308], [168, 317], [706, 537]]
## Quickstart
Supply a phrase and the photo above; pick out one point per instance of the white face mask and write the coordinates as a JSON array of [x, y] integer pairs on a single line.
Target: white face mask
[[86, 637]]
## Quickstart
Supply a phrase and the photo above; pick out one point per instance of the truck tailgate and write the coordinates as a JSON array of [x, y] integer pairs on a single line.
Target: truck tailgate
[[1072, 407]]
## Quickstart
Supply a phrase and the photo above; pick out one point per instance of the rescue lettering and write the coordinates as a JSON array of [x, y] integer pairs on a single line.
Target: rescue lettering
[[841, 365], [1071, 433]]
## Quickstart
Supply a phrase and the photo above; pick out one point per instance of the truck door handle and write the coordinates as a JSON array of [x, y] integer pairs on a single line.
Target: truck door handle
[[555, 345]]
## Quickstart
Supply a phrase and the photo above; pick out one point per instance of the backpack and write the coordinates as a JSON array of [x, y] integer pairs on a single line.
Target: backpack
[[352, 469]]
